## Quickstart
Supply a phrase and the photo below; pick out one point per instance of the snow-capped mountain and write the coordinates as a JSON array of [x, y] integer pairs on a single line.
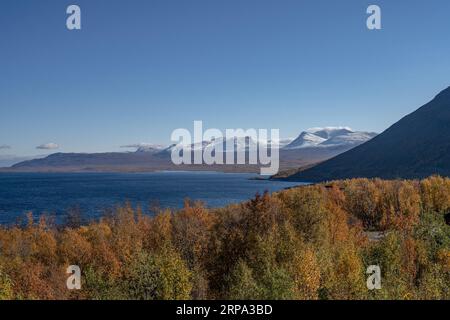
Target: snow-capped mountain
[[313, 145], [228, 145], [284, 142], [329, 137], [144, 147], [330, 132], [415, 147], [304, 140], [150, 148], [326, 137]]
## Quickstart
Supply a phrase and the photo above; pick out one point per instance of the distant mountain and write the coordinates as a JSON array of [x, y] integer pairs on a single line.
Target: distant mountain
[[324, 144], [150, 148], [228, 145], [329, 137], [9, 160], [415, 147], [305, 140]]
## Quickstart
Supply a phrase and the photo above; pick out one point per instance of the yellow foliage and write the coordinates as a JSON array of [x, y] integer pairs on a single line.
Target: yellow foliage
[[309, 242]]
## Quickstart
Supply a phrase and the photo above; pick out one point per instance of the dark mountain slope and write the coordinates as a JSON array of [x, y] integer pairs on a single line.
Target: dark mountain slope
[[416, 146]]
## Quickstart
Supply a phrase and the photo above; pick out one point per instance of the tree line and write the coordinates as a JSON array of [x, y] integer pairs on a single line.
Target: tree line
[[309, 242]]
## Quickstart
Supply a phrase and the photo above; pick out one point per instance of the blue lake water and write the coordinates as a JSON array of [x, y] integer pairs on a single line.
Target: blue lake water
[[92, 193]]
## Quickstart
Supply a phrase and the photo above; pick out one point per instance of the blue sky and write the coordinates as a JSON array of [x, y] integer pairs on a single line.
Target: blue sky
[[139, 69]]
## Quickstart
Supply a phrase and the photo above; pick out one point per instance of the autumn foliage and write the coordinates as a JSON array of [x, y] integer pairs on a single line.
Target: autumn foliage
[[310, 242]]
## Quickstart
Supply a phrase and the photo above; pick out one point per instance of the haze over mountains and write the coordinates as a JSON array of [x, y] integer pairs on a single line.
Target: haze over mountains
[[7, 160], [311, 146], [417, 146]]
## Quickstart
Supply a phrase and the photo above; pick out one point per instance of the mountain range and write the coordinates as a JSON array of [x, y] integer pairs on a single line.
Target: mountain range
[[417, 146], [329, 137], [311, 146]]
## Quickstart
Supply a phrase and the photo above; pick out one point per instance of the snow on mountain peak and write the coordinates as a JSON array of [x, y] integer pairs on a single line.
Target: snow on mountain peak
[[329, 132], [329, 137], [330, 129], [144, 147], [322, 137]]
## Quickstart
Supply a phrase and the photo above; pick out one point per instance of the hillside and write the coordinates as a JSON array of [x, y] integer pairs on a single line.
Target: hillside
[[415, 147]]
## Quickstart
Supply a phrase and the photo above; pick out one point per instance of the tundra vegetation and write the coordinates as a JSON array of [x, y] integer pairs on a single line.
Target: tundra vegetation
[[310, 242]]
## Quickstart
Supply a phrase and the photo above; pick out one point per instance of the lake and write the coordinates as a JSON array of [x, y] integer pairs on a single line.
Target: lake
[[92, 193]]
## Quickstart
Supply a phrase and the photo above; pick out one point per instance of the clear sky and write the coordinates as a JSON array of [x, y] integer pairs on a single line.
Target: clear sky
[[139, 69]]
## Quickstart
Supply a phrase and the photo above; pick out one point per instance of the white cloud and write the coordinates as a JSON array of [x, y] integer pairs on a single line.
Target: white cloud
[[48, 146], [4, 146]]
